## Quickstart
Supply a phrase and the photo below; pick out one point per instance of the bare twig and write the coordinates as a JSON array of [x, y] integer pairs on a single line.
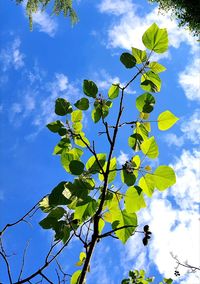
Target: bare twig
[[23, 260]]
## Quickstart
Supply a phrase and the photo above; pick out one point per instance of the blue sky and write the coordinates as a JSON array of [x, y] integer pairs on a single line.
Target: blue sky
[[52, 61]]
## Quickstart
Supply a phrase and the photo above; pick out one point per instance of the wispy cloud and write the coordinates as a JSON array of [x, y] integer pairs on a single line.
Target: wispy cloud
[[189, 80], [122, 158], [190, 131], [116, 7], [11, 56], [45, 23]]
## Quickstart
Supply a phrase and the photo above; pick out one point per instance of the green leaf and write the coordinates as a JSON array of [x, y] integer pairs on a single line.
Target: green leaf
[[55, 126], [156, 67], [128, 60], [77, 127], [96, 114], [140, 55], [113, 173], [134, 141], [52, 218], [150, 82], [85, 208], [81, 140], [82, 104], [101, 225], [155, 39], [127, 178], [76, 116], [64, 144], [166, 120], [62, 107], [134, 199], [168, 280], [68, 156], [113, 92], [92, 164], [150, 148], [57, 197], [164, 177], [90, 88], [48, 223], [125, 219], [145, 103], [82, 258], [76, 167], [44, 204], [75, 277], [147, 184]]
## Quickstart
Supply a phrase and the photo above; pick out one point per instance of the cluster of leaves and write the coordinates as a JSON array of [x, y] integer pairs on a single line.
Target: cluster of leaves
[[139, 277], [187, 12], [91, 200], [59, 6]]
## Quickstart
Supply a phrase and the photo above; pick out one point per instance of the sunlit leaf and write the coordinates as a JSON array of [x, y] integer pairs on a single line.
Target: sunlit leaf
[[164, 177], [166, 120], [113, 92], [75, 277], [134, 199], [145, 103], [76, 116], [85, 208], [101, 225], [155, 39], [156, 67], [147, 184], [96, 114], [150, 148], [150, 82], [129, 223], [140, 55], [93, 166]]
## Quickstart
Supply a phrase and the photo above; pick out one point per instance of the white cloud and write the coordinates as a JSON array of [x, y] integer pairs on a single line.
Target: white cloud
[[45, 23], [116, 7], [190, 129], [186, 190], [12, 57], [173, 139], [189, 79], [104, 80], [122, 158], [175, 229], [126, 31]]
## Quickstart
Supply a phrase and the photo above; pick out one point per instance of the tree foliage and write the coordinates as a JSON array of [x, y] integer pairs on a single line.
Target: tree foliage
[[187, 12], [59, 6], [89, 205]]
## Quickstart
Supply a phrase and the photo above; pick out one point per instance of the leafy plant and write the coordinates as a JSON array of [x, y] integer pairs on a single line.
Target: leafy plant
[[90, 201], [59, 6]]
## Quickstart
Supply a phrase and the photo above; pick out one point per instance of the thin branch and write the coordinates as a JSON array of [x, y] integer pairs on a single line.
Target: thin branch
[[45, 277], [114, 230], [46, 264], [193, 268], [7, 266], [21, 219], [23, 260]]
